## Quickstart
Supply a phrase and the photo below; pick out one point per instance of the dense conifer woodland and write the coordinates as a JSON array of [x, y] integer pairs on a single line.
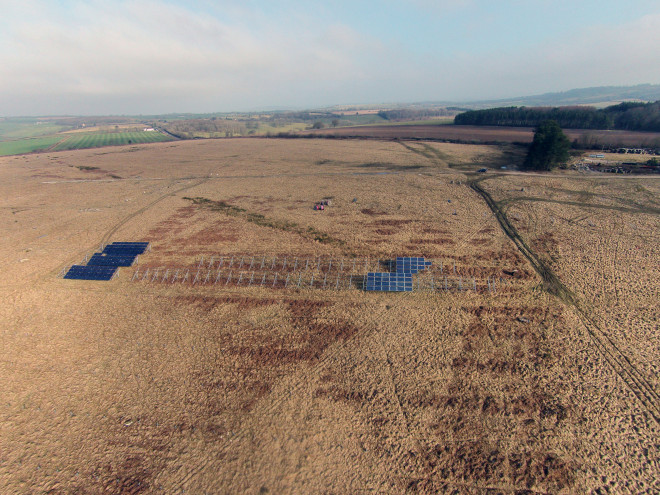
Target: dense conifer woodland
[[631, 116]]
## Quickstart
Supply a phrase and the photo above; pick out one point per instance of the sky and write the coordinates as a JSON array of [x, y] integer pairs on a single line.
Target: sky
[[130, 57]]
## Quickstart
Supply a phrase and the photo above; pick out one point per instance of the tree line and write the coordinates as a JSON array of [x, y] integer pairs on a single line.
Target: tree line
[[414, 114], [630, 116]]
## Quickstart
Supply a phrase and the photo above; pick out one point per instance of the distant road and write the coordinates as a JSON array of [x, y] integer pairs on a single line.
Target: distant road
[[166, 132]]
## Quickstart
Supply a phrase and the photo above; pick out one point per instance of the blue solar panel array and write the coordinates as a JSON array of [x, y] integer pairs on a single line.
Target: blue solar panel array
[[396, 282], [102, 259], [82, 272], [411, 265], [102, 266], [126, 248], [399, 281]]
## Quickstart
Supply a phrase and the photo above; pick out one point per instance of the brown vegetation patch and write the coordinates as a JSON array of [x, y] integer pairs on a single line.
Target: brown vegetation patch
[[338, 394], [176, 223], [433, 242], [129, 476], [312, 339], [385, 231], [207, 303], [391, 223], [369, 211], [211, 235]]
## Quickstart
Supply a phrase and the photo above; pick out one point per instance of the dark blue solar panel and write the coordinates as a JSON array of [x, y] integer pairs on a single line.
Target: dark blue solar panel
[[411, 264], [123, 251], [99, 259], [126, 248], [80, 272], [130, 243], [390, 282]]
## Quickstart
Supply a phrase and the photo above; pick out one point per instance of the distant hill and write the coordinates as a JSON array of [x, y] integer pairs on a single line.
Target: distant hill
[[602, 95]]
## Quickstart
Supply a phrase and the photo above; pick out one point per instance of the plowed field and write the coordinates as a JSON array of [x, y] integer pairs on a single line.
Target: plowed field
[[485, 134]]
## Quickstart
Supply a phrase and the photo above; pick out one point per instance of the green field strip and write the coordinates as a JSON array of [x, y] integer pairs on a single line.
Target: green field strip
[[27, 145], [97, 140]]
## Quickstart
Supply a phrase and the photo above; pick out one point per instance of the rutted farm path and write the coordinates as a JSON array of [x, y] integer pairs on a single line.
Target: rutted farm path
[[613, 355]]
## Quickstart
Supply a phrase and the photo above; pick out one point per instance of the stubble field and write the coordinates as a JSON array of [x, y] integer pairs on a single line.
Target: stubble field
[[146, 386]]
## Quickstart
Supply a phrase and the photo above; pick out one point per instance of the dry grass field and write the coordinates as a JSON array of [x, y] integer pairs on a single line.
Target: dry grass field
[[146, 387]]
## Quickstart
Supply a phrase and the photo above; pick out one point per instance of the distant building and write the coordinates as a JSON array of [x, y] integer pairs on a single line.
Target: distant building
[[148, 129]]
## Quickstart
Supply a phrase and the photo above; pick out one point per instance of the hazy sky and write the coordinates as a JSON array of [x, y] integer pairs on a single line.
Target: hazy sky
[[158, 56]]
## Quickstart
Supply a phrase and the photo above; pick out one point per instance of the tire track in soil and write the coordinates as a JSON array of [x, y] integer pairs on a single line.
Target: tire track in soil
[[613, 355], [106, 237], [301, 381], [130, 217]]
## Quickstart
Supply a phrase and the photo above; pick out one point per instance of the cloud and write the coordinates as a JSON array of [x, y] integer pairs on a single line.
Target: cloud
[[164, 51], [148, 56], [593, 56]]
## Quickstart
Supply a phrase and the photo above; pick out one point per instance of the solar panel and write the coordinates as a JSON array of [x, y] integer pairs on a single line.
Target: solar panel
[[100, 259], [129, 243], [389, 282], [123, 250], [81, 272], [411, 264]]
